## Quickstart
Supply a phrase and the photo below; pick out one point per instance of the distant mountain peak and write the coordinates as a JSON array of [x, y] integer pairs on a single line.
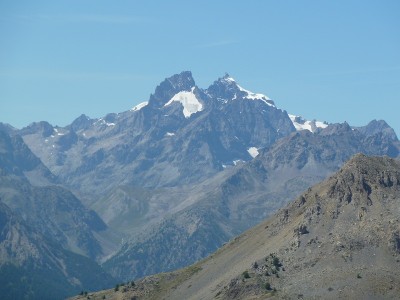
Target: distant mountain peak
[[226, 88], [228, 79], [182, 81], [82, 122], [170, 87], [378, 126]]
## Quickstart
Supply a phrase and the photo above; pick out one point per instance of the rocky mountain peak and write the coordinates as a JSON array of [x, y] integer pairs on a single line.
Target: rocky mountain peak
[[170, 87], [82, 122], [17, 159], [369, 172], [225, 88], [337, 129], [363, 186], [45, 128], [378, 126]]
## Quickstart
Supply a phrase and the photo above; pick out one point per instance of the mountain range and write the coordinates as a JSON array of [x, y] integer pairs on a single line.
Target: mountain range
[[168, 182], [338, 240]]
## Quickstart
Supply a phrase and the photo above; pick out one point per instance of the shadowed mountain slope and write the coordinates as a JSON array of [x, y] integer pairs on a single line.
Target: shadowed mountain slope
[[33, 266]]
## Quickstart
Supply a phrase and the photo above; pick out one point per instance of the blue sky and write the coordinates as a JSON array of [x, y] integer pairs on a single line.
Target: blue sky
[[333, 61]]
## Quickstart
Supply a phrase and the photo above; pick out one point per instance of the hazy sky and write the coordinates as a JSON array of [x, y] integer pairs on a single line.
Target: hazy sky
[[333, 61]]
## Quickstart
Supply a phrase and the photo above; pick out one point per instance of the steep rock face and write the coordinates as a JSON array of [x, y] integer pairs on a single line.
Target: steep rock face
[[56, 213], [51, 210], [34, 267], [170, 87], [338, 240], [17, 159]]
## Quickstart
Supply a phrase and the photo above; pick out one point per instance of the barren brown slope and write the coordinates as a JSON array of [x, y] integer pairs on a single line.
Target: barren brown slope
[[340, 239]]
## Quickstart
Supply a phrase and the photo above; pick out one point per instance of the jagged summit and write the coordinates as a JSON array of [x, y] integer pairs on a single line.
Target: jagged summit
[[365, 175], [378, 126], [82, 122], [226, 89], [44, 127], [170, 87], [301, 124]]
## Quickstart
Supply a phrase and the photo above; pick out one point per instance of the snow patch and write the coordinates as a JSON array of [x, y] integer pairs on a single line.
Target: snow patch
[[253, 151], [104, 122], [250, 95], [320, 124], [238, 161], [139, 106], [300, 124], [189, 102]]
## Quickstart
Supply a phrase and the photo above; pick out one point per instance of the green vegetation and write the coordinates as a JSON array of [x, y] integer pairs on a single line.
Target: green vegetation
[[246, 274], [276, 263], [271, 266]]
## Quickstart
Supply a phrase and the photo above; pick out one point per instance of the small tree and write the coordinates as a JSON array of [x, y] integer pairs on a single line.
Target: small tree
[[268, 286], [246, 274]]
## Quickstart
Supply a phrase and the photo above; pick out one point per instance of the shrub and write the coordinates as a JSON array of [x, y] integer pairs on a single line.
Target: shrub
[[276, 262], [268, 286], [246, 274]]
